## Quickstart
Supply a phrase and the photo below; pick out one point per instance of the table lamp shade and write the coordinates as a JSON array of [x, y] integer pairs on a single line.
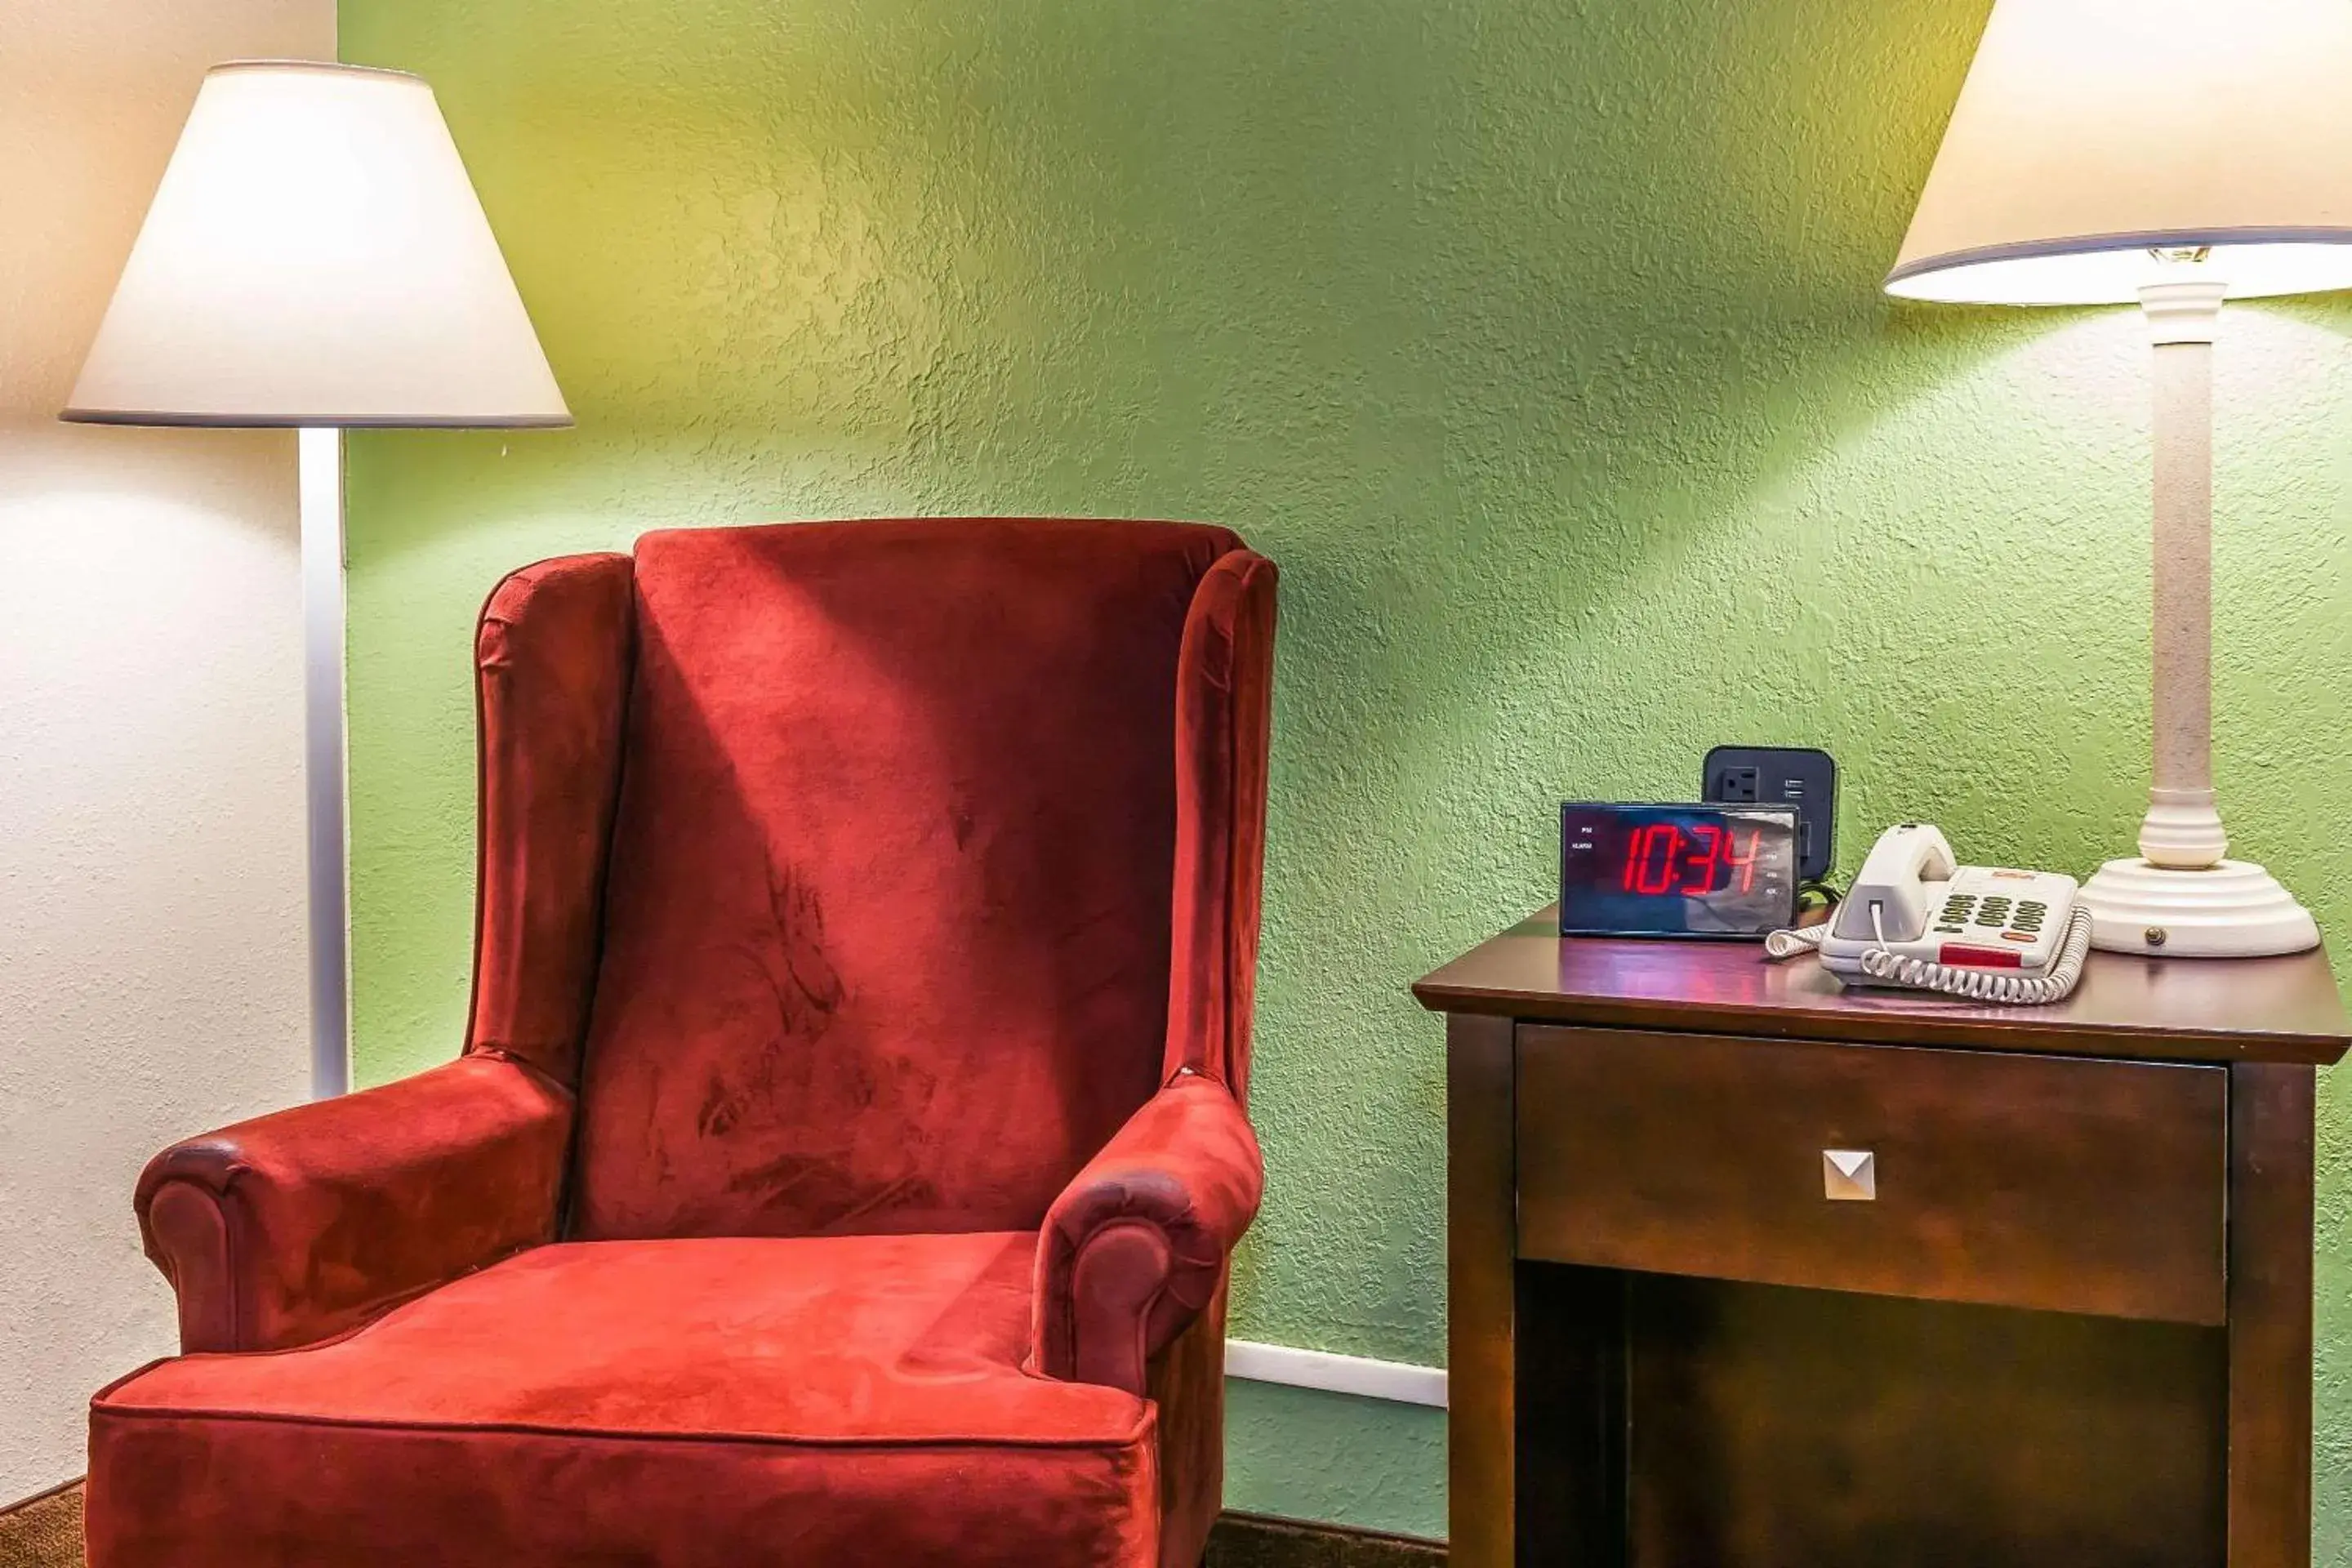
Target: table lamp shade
[[2093, 131], [316, 256]]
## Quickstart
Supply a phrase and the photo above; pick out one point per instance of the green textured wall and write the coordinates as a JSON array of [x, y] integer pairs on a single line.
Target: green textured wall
[[1539, 340]]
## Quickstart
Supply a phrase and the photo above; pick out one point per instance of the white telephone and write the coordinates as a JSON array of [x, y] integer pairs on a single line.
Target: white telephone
[[1917, 918]]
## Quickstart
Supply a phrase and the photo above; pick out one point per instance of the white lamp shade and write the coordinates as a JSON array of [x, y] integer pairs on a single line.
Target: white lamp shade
[[316, 254], [2091, 131]]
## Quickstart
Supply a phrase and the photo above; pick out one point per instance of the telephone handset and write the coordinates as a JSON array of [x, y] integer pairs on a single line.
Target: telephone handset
[[1917, 918]]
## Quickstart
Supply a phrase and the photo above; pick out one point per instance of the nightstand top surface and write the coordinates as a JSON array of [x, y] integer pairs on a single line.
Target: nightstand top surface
[[2187, 1009]]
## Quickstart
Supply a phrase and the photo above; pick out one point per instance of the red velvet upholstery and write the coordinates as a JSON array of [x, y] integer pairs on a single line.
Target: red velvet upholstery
[[891, 875], [886, 896], [718, 1401], [1136, 1245], [282, 1231], [552, 661]]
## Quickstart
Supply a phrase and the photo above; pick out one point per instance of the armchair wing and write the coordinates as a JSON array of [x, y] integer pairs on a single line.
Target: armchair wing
[[295, 1226], [1134, 1249], [1136, 1245]]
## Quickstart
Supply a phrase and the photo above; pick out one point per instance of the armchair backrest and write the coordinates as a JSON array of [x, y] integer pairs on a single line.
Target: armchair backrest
[[935, 850]]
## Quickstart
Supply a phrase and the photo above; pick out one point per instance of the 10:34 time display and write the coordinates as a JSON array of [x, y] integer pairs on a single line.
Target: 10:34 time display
[[1706, 858]]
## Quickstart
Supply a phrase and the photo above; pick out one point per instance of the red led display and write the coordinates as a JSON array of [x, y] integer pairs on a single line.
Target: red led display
[[1664, 860]]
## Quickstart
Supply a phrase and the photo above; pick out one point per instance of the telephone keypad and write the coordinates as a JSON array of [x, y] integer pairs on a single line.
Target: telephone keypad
[[2012, 920], [1982, 916]]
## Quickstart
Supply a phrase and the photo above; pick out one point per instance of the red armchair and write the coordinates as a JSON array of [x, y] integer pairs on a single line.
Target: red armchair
[[849, 1138]]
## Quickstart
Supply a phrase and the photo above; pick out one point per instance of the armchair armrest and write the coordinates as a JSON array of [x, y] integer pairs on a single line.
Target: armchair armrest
[[1136, 1245], [297, 1225]]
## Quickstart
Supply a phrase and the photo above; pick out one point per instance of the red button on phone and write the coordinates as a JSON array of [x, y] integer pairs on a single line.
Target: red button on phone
[[1980, 957]]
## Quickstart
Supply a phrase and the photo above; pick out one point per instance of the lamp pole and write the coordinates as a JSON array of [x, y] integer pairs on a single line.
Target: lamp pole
[[2182, 829], [319, 457], [2182, 895]]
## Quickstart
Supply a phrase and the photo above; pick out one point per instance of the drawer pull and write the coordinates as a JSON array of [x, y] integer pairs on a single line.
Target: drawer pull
[[1849, 1175]]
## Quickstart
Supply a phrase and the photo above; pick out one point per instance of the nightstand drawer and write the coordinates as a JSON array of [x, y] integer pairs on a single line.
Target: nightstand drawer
[[2024, 1181]]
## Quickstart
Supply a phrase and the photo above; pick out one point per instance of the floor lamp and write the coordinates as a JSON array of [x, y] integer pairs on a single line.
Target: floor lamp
[[315, 258], [2175, 152]]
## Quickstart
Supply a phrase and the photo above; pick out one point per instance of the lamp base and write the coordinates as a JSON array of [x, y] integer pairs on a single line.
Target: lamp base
[[2234, 909]]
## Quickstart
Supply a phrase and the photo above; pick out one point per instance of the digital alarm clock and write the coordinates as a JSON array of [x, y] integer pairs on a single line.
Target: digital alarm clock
[[1726, 872]]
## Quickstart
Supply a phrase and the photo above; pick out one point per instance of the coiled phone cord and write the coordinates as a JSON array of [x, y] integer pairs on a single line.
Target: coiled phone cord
[[1975, 985], [1795, 940]]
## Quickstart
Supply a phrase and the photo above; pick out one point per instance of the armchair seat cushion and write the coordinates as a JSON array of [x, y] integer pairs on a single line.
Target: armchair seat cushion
[[715, 1401]]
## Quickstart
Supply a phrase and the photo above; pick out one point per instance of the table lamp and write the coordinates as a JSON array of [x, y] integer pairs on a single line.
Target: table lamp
[[2175, 152], [316, 258]]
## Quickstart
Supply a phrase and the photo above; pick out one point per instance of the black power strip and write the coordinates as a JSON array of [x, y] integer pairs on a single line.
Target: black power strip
[[1782, 775]]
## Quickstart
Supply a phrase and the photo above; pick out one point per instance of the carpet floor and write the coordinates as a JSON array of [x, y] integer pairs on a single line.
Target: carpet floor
[[45, 1532]]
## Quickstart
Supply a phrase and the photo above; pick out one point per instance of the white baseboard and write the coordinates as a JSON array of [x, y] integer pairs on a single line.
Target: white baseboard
[[1358, 1375]]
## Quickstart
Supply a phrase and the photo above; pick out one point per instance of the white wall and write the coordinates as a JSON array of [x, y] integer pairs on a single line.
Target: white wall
[[151, 804]]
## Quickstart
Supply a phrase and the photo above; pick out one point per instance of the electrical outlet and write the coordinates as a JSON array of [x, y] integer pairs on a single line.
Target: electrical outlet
[[1782, 775], [1736, 787]]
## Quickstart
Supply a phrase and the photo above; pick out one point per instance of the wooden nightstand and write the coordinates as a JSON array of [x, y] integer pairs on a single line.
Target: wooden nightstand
[[2060, 1314]]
